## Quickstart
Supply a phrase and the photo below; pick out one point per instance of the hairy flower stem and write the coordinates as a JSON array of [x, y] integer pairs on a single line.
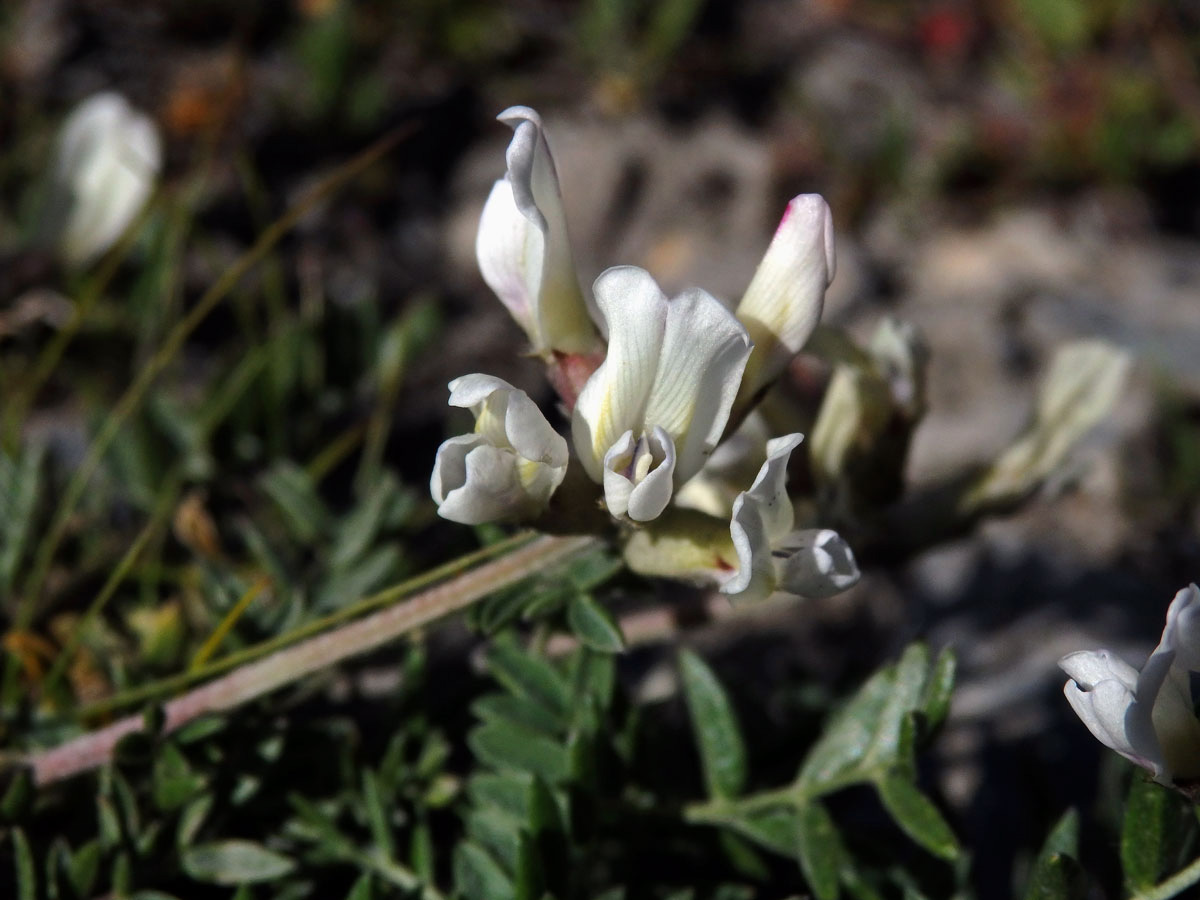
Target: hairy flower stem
[[359, 636]]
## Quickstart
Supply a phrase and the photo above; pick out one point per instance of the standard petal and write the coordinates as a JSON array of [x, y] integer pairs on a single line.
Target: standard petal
[[1182, 631], [819, 564], [1166, 683], [704, 351], [651, 495], [769, 491], [755, 576], [782, 305], [614, 399]]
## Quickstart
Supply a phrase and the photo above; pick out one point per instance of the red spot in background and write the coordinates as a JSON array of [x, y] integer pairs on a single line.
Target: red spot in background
[[945, 32]]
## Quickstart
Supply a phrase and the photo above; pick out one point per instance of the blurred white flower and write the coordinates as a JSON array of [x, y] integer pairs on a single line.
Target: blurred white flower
[[783, 303], [1149, 717], [1078, 393], [654, 410], [106, 161], [523, 250], [771, 556], [509, 467]]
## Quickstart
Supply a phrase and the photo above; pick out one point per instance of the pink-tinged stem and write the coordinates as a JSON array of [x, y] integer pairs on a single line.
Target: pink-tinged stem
[[255, 679]]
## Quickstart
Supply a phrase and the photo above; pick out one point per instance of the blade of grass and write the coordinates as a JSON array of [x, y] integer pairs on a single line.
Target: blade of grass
[[22, 399], [133, 396], [209, 647], [157, 521]]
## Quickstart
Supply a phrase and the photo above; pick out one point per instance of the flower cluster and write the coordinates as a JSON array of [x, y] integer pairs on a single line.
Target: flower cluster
[[1149, 717], [651, 383]]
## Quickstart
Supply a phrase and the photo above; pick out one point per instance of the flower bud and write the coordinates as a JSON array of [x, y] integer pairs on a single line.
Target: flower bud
[[783, 303], [523, 250]]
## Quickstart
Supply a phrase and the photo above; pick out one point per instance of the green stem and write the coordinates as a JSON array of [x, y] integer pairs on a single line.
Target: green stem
[[720, 810], [254, 680], [1173, 886]]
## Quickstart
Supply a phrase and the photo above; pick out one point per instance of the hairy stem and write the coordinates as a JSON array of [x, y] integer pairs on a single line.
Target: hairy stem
[[359, 636]]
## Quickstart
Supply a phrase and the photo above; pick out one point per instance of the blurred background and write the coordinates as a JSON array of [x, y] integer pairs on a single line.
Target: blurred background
[[1005, 174]]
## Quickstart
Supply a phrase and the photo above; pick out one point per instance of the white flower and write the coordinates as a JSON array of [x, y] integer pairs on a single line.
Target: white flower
[[106, 160], [509, 467], [771, 556], [522, 246], [783, 303], [1150, 716], [654, 410]]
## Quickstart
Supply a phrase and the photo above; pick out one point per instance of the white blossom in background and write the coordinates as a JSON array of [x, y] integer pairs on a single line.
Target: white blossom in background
[[522, 246], [771, 556], [783, 302], [651, 414], [106, 161], [1150, 716], [508, 467]]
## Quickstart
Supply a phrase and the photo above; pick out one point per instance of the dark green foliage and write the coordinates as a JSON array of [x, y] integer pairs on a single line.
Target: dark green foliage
[[1057, 874], [1158, 833], [870, 740]]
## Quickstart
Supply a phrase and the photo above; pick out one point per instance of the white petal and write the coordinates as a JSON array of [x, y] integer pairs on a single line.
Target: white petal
[[819, 564], [755, 576], [704, 351], [652, 494], [1182, 631], [782, 305], [468, 391], [1102, 695], [769, 491], [1090, 667], [614, 399], [508, 418], [618, 486], [508, 248], [106, 161], [638, 475], [531, 435], [491, 488], [1103, 710], [450, 465], [529, 265], [1166, 684], [509, 467]]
